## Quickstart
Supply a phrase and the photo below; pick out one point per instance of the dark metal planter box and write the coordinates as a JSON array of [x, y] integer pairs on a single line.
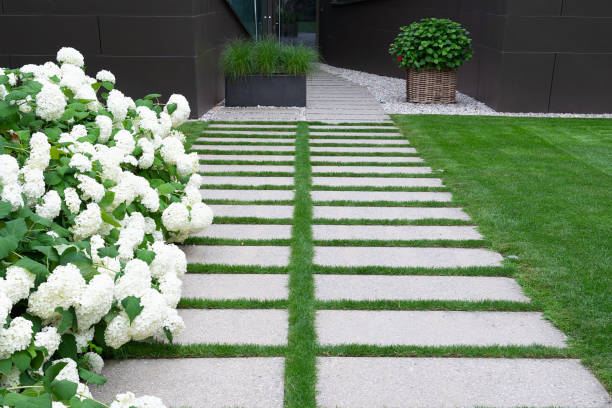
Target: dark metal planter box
[[264, 90]]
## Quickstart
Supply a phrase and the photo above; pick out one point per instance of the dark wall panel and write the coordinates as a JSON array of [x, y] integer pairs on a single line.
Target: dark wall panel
[[156, 46]]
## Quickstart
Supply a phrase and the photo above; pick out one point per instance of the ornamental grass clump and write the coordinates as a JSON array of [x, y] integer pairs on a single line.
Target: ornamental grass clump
[[94, 187], [241, 58]]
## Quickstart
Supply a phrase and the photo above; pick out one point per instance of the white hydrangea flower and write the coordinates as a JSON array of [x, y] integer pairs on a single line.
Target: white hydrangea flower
[[95, 363], [135, 281], [85, 91], [110, 158], [173, 322], [131, 235], [83, 338], [105, 124], [16, 337], [151, 318], [51, 205], [188, 164], [171, 287], [165, 123], [72, 77], [87, 223], [129, 400], [68, 55], [3, 92], [12, 78], [177, 134], [91, 189], [72, 200], [176, 217], [150, 199], [172, 150], [5, 307], [34, 184], [109, 266], [147, 120], [80, 162], [48, 338], [17, 283], [9, 169], [49, 69], [191, 196], [201, 216], [63, 288], [169, 259], [105, 76], [116, 333], [12, 379], [12, 194], [148, 153], [40, 150], [70, 371], [24, 104], [181, 114], [117, 104], [125, 141], [95, 301]]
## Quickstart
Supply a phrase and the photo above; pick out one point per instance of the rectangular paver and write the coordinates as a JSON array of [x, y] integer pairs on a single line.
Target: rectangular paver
[[235, 286], [394, 232], [389, 213], [227, 168], [348, 149], [247, 195], [377, 181], [249, 126], [244, 139], [351, 382], [387, 287], [435, 328], [237, 255], [372, 142], [246, 157], [247, 181], [246, 231], [249, 132], [369, 196], [266, 327], [372, 169], [245, 148], [257, 211], [406, 257], [198, 382], [365, 159]]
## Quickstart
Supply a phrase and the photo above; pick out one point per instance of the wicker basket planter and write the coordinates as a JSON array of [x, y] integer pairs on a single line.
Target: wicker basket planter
[[431, 86]]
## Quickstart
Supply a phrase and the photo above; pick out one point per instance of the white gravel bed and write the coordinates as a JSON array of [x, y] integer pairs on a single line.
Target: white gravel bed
[[259, 113], [391, 93]]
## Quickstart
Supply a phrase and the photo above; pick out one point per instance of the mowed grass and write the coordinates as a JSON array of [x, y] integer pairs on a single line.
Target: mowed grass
[[541, 190]]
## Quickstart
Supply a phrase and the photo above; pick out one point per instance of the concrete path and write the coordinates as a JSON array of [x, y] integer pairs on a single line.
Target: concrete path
[[330, 99], [381, 283]]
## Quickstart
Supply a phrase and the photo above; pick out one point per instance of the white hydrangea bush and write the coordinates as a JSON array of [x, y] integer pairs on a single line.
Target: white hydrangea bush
[[95, 189]]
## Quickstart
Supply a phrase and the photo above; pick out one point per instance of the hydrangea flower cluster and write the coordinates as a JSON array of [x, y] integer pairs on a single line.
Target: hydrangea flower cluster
[[94, 189]]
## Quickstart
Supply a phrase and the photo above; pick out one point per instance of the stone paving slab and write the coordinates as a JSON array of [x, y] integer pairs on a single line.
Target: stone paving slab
[[254, 382], [246, 231], [246, 157], [237, 255], [416, 287], [372, 169], [369, 196], [406, 257], [389, 213], [244, 139], [435, 328], [250, 125], [249, 132], [247, 181], [235, 286], [394, 232], [365, 159], [349, 149], [247, 195], [377, 181], [316, 128], [391, 382], [257, 211], [362, 134], [245, 148], [265, 327], [218, 168], [373, 142]]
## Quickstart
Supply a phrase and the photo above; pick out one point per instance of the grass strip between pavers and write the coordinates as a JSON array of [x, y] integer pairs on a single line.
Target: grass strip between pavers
[[300, 361], [385, 270], [237, 242], [195, 303], [246, 173], [248, 162], [161, 350], [417, 243], [444, 305], [424, 222]]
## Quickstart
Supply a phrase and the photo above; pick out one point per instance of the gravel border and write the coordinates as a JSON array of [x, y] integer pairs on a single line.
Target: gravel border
[[390, 92]]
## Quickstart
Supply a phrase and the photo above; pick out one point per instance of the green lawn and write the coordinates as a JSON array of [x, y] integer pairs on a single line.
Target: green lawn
[[541, 190]]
